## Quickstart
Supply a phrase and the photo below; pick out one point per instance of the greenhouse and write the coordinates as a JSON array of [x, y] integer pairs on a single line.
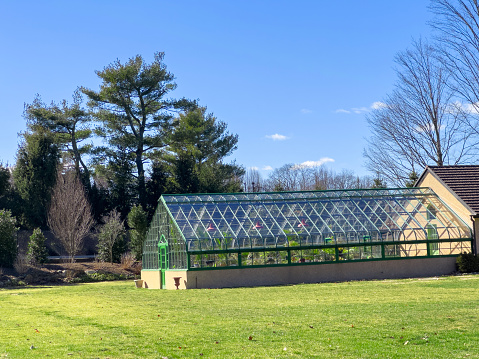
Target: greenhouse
[[266, 231]]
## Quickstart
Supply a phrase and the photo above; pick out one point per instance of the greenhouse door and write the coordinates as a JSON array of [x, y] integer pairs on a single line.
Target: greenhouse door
[[163, 261]]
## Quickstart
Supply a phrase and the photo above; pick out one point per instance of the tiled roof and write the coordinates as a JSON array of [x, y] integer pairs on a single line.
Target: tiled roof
[[463, 180]]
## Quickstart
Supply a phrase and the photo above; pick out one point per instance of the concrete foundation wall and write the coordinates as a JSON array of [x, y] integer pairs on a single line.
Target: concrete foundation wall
[[335, 272]]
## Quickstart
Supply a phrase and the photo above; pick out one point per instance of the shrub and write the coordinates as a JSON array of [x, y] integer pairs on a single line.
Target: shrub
[[37, 251], [138, 222], [21, 264], [111, 239], [100, 277], [467, 263], [8, 241], [127, 260]]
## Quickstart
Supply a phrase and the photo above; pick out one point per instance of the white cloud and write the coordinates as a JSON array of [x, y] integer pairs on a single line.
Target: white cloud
[[472, 109], [377, 105], [311, 164], [267, 168], [358, 110], [277, 137], [306, 111], [428, 128], [254, 168]]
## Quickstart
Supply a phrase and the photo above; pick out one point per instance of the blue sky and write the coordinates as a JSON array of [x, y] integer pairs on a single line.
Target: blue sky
[[294, 79]]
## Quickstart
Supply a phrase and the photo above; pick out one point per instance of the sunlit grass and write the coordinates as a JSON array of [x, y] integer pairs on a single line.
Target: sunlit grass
[[435, 318]]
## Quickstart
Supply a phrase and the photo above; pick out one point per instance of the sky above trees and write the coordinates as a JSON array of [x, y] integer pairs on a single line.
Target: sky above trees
[[294, 80]]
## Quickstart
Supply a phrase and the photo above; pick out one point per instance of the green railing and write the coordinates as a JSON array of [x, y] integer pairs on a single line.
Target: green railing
[[340, 253]]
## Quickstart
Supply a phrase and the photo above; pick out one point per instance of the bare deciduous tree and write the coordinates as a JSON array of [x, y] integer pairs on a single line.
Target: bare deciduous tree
[[252, 181], [419, 123], [70, 216], [457, 22]]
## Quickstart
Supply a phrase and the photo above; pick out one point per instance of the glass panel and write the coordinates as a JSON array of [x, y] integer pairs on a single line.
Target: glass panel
[[258, 258], [246, 259], [392, 250], [273, 257]]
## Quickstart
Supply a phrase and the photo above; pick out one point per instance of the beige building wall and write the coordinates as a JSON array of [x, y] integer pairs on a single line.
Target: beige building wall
[[459, 207], [454, 202], [170, 276], [151, 279]]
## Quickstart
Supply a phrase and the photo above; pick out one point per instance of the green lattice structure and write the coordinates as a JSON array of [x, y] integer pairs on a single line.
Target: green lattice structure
[[220, 231]]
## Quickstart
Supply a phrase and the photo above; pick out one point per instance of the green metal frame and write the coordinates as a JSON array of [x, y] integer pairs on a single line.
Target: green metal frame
[[208, 231]]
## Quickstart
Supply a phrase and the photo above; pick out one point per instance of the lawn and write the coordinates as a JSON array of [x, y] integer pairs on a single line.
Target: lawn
[[423, 318]]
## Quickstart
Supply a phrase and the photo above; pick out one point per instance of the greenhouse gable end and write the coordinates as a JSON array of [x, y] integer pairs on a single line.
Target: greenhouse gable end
[[248, 239]]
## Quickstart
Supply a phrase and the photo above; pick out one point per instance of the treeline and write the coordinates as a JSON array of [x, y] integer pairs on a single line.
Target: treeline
[[294, 177]]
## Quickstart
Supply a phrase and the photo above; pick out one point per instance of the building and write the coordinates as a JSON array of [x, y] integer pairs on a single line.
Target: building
[[250, 239], [458, 187]]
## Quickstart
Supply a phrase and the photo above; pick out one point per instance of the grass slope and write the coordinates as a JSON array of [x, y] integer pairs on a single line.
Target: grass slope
[[435, 318]]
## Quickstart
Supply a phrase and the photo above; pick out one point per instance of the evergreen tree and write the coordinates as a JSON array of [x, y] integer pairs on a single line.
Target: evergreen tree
[[9, 197], [160, 181], [69, 128], [197, 148], [119, 180], [413, 177], [138, 222], [133, 110], [8, 240], [35, 175]]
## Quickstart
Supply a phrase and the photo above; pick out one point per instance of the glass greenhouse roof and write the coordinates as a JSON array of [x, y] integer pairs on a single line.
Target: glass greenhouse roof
[[378, 213]]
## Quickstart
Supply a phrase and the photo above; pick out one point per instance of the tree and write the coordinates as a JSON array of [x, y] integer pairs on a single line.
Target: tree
[[120, 182], [138, 222], [197, 148], [252, 181], [8, 241], [133, 111], [413, 177], [160, 181], [70, 216], [284, 178], [9, 197], [68, 125], [419, 123], [37, 251], [34, 175], [111, 241], [378, 183], [302, 177], [457, 22]]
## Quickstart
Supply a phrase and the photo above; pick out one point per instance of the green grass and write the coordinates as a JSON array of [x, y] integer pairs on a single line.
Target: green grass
[[434, 318]]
